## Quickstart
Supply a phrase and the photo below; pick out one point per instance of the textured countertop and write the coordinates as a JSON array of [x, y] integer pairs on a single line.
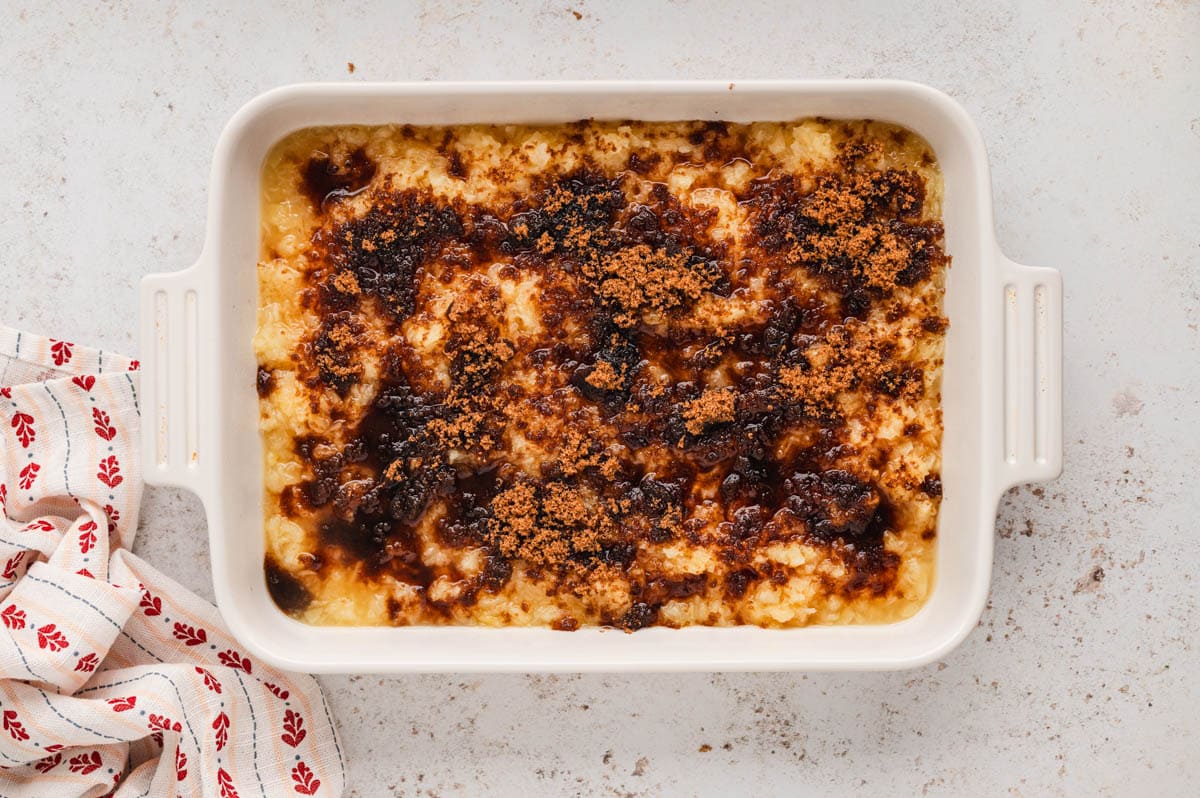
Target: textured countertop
[[1082, 678]]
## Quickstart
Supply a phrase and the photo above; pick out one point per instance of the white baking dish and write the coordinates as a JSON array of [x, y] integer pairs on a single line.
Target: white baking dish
[[1001, 393]]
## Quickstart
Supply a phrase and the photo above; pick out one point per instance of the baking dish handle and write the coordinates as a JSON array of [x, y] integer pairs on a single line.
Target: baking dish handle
[[1032, 374], [168, 342]]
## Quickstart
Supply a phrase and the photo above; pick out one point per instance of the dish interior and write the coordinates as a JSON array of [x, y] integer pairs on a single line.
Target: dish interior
[[618, 374]]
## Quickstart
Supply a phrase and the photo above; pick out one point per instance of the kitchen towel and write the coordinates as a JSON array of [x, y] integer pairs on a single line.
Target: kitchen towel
[[114, 679]]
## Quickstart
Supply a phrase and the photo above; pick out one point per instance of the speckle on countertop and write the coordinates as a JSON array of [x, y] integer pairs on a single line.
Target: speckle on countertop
[[1127, 404], [1084, 676], [1091, 582]]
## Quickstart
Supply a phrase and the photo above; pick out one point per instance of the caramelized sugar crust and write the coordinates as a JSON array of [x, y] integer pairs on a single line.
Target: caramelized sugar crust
[[622, 374]]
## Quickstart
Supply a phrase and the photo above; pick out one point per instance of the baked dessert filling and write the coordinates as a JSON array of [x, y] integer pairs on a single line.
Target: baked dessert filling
[[623, 374]]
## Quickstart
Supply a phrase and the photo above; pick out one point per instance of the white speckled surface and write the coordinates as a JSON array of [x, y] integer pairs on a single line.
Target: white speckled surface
[[1083, 677]]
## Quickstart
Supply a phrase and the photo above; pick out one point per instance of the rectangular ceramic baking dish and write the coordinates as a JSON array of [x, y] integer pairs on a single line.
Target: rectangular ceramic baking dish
[[1001, 388]]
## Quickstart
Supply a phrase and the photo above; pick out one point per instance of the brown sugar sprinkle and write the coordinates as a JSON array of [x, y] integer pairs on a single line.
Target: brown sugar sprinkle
[[575, 215], [639, 279], [549, 526], [605, 377], [577, 452], [674, 385], [346, 283], [876, 255], [474, 343], [714, 406], [862, 231], [463, 429], [845, 358], [335, 350]]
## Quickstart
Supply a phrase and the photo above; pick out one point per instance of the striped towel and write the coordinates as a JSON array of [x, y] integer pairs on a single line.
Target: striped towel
[[115, 680]]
